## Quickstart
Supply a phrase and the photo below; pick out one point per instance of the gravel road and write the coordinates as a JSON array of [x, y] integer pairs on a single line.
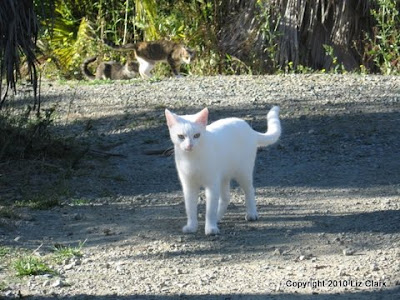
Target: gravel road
[[328, 194]]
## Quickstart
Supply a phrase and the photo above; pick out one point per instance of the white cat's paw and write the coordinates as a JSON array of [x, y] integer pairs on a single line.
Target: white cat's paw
[[189, 228], [211, 230], [251, 217]]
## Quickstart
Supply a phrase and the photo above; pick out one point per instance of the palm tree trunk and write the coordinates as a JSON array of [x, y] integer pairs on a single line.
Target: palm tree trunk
[[304, 27]]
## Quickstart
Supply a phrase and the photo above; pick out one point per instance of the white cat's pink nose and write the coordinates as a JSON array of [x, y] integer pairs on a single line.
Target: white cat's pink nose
[[189, 147]]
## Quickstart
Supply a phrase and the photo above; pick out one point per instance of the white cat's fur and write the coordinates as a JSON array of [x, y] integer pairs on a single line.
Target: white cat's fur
[[211, 156]]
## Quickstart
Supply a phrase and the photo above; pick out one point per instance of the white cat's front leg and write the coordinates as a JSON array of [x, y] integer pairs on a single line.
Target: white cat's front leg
[[212, 197], [191, 195]]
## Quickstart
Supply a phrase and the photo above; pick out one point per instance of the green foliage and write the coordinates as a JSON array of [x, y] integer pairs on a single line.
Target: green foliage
[[336, 68], [62, 252], [30, 265], [40, 202], [4, 251], [67, 41], [79, 26], [270, 34], [384, 45], [290, 68]]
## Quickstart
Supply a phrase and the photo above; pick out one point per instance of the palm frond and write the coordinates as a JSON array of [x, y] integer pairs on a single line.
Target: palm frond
[[18, 35]]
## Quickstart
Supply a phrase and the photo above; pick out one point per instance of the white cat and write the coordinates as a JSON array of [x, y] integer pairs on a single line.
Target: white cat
[[211, 156]]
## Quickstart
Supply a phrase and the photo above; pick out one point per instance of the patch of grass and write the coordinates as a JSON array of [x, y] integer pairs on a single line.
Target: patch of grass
[[154, 79], [31, 265], [62, 252], [39, 202], [8, 213], [80, 202], [4, 251]]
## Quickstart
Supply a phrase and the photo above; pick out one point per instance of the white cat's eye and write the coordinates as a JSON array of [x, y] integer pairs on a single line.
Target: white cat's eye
[[181, 136], [197, 135]]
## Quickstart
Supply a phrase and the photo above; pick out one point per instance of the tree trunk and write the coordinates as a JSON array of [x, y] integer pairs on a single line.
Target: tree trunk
[[303, 28]]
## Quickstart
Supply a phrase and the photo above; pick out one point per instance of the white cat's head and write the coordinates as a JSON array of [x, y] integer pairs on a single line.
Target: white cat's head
[[187, 131]]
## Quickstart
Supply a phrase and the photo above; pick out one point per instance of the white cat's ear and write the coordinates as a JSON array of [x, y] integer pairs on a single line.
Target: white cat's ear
[[171, 118], [202, 117]]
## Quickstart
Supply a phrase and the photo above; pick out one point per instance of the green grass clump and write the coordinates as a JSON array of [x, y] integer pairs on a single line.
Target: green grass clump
[[62, 252], [4, 251], [41, 203], [31, 265]]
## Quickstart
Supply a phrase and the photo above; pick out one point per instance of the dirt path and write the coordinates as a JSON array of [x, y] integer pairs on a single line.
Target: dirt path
[[327, 194]]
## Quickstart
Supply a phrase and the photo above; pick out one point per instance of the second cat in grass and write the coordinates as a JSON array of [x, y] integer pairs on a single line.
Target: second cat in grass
[[210, 156], [110, 70]]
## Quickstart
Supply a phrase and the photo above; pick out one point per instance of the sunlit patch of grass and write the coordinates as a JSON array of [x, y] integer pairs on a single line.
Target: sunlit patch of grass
[[28, 265], [80, 202], [62, 252], [42, 202], [4, 251]]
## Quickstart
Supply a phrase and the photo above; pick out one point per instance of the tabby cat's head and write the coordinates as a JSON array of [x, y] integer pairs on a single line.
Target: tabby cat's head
[[187, 131], [187, 55]]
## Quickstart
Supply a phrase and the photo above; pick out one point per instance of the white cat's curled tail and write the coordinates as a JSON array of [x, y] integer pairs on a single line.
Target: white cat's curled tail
[[274, 129]]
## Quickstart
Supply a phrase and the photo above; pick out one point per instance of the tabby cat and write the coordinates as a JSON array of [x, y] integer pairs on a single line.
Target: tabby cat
[[149, 53]]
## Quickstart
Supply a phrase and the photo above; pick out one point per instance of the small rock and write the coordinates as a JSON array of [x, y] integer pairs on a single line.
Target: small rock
[[278, 287], [348, 252], [57, 283], [107, 231], [77, 217], [8, 294], [69, 266], [278, 251], [46, 283], [374, 267]]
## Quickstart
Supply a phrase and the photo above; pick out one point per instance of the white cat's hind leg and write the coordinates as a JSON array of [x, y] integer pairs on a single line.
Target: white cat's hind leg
[[223, 199], [212, 197], [191, 195], [251, 209]]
